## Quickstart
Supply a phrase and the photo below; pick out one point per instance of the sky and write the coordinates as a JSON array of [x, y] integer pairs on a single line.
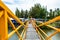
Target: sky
[[27, 4]]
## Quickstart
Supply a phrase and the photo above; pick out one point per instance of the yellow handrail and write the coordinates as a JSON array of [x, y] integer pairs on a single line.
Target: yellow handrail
[[34, 25], [13, 26], [14, 31], [57, 30], [23, 34], [5, 15], [46, 24]]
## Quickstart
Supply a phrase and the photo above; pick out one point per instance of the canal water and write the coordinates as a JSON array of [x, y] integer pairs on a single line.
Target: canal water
[[50, 31], [13, 37], [55, 37]]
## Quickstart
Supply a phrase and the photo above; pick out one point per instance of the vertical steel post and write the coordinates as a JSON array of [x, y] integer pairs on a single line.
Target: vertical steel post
[[3, 26]]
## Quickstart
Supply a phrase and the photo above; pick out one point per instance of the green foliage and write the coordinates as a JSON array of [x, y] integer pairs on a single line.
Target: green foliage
[[54, 13], [21, 14], [26, 14], [37, 11], [17, 13]]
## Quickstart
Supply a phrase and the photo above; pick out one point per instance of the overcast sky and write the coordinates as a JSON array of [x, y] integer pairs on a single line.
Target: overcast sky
[[27, 4]]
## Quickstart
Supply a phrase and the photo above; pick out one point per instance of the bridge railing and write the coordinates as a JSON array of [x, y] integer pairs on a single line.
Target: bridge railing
[[5, 15], [57, 30], [23, 34], [37, 30]]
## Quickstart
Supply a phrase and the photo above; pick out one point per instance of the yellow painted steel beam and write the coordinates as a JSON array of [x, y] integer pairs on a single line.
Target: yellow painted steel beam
[[16, 18], [34, 25], [25, 34], [13, 26], [51, 27], [43, 32], [51, 35], [9, 35], [10, 13], [57, 30], [24, 31], [50, 21], [1, 13], [40, 34], [4, 26]]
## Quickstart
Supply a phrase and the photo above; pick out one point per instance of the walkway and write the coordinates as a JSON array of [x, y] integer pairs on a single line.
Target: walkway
[[31, 33]]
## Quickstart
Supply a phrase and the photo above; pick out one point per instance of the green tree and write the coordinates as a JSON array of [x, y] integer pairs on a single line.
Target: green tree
[[26, 14], [17, 13], [58, 12], [51, 14], [38, 11]]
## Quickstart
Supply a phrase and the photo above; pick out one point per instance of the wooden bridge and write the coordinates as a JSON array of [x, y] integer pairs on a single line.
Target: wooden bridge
[[31, 31]]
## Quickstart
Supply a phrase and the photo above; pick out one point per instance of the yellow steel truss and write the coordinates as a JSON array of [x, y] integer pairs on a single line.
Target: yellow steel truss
[[5, 15], [46, 24]]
